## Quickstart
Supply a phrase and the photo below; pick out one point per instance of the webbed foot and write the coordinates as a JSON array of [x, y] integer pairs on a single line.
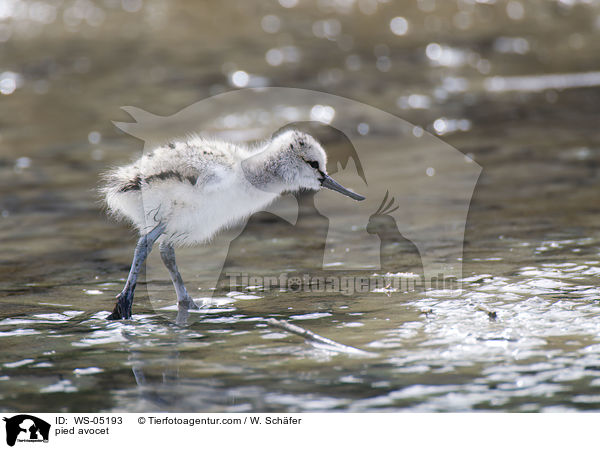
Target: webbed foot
[[122, 310]]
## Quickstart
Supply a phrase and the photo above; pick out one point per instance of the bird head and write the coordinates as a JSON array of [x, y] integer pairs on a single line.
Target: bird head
[[382, 221], [302, 163]]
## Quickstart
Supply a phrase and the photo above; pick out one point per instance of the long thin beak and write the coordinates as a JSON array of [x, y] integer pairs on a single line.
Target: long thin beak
[[328, 182]]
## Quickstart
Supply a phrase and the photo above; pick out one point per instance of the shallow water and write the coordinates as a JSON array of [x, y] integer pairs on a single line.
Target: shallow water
[[522, 332]]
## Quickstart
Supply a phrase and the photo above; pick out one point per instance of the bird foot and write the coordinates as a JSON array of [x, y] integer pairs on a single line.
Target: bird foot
[[122, 310], [188, 303]]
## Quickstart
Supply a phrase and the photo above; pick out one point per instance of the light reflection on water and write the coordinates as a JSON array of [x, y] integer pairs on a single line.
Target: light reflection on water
[[521, 334], [538, 349]]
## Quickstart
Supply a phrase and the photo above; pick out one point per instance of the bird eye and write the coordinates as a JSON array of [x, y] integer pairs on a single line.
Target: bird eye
[[313, 164]]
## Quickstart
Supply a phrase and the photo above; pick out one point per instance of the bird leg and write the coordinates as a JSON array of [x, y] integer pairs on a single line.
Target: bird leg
[[142, 249], [184, 300]]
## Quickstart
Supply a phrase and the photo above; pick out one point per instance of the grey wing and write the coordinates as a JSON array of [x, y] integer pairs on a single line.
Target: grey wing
[[198, 165]]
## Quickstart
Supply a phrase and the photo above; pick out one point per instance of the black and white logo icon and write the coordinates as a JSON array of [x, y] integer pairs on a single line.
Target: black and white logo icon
[[26, 429]]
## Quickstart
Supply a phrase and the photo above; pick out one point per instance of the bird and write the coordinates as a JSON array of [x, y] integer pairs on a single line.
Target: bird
[[183, 192], [396, 252]]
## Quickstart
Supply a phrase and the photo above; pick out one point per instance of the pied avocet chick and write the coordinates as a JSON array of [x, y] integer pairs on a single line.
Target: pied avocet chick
[[183, 192]]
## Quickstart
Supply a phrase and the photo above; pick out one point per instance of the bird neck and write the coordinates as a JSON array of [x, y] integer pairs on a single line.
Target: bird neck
[[264, 170]]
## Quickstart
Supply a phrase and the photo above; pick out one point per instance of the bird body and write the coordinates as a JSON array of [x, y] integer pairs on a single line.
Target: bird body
[[196, 187], [184, 192]]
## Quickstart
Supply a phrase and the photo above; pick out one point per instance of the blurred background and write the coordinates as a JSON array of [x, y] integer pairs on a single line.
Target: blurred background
[[512, 84]]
